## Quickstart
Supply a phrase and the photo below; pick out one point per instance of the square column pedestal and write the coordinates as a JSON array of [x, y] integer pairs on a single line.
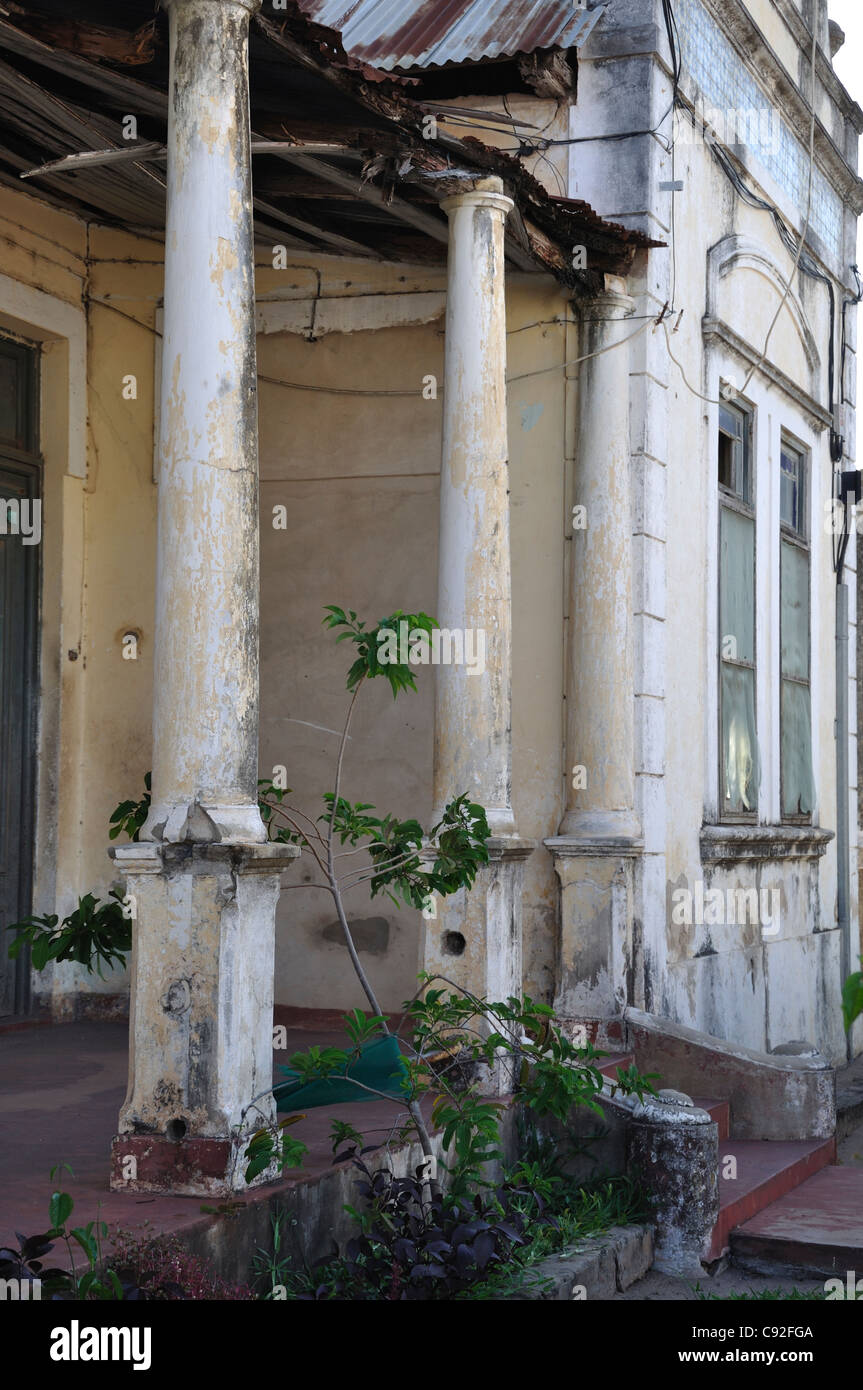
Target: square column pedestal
[[475, 937], [201, 1026], [596, 951]]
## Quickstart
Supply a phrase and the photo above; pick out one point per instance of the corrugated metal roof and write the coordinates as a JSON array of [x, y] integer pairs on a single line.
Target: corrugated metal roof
[[429, 33]]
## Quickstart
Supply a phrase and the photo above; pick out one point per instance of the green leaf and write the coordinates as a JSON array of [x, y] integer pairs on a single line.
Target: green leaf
[[130, 816], [87, 1241], [852, 999], [60, 1208]]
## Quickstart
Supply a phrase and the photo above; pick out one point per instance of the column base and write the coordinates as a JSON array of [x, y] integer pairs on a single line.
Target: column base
[[185, 1167], [588, 826], [596, 928], [501, 822], [204, 822], [203, 935], [475, 937]]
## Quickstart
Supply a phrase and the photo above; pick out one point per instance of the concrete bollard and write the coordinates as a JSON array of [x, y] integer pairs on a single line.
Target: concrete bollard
[[673, 1149]]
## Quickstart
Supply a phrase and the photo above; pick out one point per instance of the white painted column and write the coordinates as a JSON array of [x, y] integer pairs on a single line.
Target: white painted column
[[475, 938], [600, 839], [473, 743], [205, 719], [204, 885], [599, 691]]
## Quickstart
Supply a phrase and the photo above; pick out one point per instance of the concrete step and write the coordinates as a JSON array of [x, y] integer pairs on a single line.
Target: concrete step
[[764, 1171], [609, 1064], [849, 1105], [719, 1111], [816, 1227]]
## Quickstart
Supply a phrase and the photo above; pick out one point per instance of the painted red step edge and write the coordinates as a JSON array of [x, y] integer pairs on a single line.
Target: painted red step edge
[[785, 1179], [608, 1065]]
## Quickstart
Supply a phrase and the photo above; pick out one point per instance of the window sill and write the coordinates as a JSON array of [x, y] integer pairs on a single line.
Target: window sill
[[726, 844]]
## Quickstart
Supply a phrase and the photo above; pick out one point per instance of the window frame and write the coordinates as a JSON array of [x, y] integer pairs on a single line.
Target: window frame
[[24, 458], [801, 540], [730, 499]]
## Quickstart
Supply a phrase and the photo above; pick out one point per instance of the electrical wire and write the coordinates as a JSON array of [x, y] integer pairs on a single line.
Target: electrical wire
[[367, 391], [674, 49], [803, 263], [846, 303], [522, 376], [336, 390], [711, 400], [673, 35], [575, 361]]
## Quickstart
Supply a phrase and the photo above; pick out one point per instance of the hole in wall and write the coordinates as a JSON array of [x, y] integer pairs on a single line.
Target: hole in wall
[[454, 943], [176, 1129]]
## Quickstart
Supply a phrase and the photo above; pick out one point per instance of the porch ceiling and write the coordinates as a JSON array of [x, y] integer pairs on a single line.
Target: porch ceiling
[[351, 173]]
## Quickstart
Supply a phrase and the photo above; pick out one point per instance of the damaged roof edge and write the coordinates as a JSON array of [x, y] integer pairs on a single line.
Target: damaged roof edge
[[375, 117], [565, 221], [407, 34]]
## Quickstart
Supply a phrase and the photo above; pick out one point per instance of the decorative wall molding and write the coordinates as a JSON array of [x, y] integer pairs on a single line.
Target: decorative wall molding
[[738, 252], [728, 844], [715, 330]]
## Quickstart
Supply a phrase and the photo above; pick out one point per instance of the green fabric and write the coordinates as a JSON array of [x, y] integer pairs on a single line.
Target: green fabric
[[379, 1065]]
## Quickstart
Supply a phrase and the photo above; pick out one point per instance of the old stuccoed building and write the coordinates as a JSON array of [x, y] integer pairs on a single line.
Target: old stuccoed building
[[511, 319]]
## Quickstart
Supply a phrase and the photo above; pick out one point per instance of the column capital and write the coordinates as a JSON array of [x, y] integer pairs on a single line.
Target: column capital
[[251, 5], [610, 304], [482, 193], [156, 857]]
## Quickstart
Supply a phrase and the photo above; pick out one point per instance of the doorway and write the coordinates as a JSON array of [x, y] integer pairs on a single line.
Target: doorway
[[20, 538]]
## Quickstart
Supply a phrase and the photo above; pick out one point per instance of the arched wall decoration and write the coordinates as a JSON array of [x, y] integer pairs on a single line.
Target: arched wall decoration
[[738, 252]]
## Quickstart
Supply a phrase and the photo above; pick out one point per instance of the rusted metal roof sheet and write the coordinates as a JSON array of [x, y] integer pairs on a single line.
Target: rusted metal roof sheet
[[430, 33]]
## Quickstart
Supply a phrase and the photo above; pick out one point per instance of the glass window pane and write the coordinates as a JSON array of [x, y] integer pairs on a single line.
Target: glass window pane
[[798, 788], [795, 611], [727, 470], [10, 423], [734, 452], [791, 490], [740, 769], [737, 586], [17, 394]]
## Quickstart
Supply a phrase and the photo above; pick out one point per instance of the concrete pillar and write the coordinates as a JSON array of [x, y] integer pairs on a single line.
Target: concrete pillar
[[599, 835], [672, 1147], [599, 692], [205, 718], [473, 740], [203, 883], [475, 938], [201, 1026]]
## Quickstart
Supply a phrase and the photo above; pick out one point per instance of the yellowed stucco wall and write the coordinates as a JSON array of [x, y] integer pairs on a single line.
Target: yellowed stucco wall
[[359, 479], [358, 476], [98, 533]]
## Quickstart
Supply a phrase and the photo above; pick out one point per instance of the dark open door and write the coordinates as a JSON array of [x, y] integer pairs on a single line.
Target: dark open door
[[20, 537]]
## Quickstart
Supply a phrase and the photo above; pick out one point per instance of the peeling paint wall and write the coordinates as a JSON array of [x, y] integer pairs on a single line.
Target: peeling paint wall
[[727, 268], [359, 479], [97, 549]]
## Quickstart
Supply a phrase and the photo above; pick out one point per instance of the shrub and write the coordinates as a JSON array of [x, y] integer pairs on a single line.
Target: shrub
[[162, 1268]]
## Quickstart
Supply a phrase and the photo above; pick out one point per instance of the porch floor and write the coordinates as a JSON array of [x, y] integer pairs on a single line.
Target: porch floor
[[61, 1088]]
